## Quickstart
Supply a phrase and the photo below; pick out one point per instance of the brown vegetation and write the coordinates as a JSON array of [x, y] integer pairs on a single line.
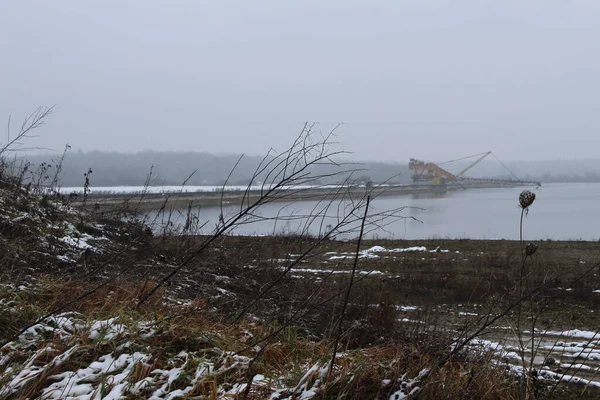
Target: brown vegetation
[[224, 316]]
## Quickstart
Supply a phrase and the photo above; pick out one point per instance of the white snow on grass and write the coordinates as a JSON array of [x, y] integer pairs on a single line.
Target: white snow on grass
[[509, 356], [500, 351], [116, 367], [410, 386], [439, 250], [64, 258], [107, 375], [407, 308], [577, 367], [80, 243], [380, 249], [551, 375], [332, 271], [406, 250], [76, 239], [369, 253], [106, 329], [80, 384], [412, 321], [375, 249], [575, 333], [362, 254]]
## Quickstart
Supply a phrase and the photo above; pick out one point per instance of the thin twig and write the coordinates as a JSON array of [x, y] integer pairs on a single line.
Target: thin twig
[[347, 297]]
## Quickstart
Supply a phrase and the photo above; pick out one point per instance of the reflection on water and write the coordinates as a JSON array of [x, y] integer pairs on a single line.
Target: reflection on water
[[430, 195], [560, 212]]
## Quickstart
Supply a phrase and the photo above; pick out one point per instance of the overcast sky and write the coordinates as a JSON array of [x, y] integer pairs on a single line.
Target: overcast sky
[[428, 79]]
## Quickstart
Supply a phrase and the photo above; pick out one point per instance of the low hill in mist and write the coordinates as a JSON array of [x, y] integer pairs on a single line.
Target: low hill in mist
[[173, 168]]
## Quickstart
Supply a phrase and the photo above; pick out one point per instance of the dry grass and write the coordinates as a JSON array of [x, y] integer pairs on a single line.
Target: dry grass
[[287, 335], [373, 372]]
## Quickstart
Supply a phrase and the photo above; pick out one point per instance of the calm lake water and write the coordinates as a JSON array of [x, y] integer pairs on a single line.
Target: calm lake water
[[561, 212]]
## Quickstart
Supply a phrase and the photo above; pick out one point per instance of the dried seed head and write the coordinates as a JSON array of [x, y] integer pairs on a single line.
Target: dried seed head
[[530, 249], [526, 198]]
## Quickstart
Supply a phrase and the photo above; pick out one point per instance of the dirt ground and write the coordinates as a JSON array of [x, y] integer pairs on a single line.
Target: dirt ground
[[447, 274]]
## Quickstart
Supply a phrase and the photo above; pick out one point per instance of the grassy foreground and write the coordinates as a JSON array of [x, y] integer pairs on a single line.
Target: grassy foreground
[[256, 317]]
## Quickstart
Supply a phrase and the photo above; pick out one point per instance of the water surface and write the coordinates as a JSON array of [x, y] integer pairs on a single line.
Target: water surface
[[562, 211]]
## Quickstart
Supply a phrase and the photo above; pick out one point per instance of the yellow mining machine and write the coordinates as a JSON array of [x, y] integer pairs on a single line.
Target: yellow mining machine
[[429, 172], [432, 174]]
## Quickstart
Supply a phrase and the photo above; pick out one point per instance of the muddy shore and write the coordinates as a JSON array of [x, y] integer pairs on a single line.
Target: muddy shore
[[152, 201]]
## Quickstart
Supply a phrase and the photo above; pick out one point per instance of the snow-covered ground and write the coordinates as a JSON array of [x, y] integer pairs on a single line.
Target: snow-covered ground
[[570, 356], [131, 366], [110, 375]]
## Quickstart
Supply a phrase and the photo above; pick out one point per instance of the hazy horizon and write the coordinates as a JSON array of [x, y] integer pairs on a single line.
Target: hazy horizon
[[431, 80], [40, 153]]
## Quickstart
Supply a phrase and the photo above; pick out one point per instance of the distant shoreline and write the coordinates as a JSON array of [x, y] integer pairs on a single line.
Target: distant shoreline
[[124, 189], [149, 200]]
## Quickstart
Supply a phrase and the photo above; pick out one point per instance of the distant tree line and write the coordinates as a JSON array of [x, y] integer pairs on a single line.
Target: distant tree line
[[173, 168]]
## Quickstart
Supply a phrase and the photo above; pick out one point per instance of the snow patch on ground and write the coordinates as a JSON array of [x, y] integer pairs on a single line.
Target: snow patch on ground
[[332, 271], [408, 249], [380, 249], [375, 249], [79, 243], [575, 333], [409, 386], [369, 253], [118, 366], [407, 308]]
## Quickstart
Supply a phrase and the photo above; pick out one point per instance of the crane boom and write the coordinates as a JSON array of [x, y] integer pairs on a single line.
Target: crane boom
[[473, 164], [435, 176]]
